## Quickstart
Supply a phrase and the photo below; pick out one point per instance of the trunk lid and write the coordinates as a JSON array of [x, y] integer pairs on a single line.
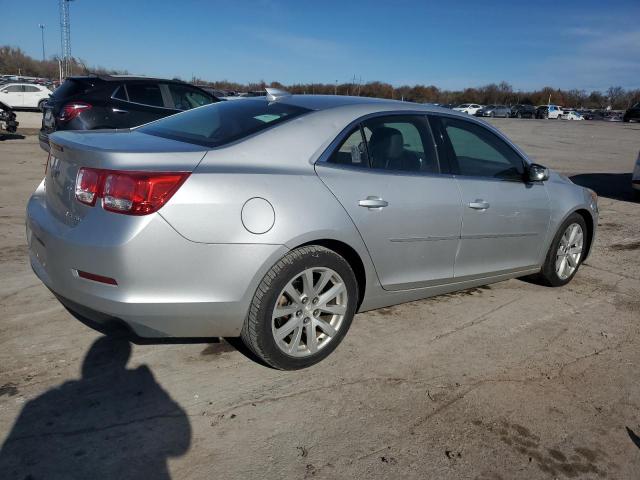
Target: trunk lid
[[111, 150]]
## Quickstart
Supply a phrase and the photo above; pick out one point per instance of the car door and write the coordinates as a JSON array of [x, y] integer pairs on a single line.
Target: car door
[[145, 104], [12, 95], [387, 176], [505, 218], [31, 96]]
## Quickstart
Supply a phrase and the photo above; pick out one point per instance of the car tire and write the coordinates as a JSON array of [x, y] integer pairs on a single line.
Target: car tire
[[553, 273], [41, 105], [519, 115], [284, 342]]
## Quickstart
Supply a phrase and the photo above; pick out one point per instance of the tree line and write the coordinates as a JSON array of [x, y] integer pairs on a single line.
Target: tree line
[[14, 59]]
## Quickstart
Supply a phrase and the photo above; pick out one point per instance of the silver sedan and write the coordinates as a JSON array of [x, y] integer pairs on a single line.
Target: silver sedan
[[277, 219]]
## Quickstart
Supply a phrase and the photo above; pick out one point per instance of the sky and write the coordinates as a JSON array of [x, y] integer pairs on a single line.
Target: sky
[[583, 44]]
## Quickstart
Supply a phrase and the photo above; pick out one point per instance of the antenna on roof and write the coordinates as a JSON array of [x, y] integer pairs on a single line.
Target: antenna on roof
[[273, 94]]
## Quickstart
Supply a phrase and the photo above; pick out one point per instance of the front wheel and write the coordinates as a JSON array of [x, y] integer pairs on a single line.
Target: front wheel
[[302, 309], [566, 252]]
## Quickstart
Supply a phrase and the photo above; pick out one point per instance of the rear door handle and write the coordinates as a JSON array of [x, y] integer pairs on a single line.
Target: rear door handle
[[479, 204], [373, 202], [117, 110]]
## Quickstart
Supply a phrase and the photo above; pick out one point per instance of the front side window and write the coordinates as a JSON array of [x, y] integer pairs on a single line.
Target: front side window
[[185, 98], [145, 94], [475, 151], [223, 122], [13, 89], [401, 143], [352, 152]]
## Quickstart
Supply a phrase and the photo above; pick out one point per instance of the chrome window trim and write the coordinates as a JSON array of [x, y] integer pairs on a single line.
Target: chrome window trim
[[142, 104]]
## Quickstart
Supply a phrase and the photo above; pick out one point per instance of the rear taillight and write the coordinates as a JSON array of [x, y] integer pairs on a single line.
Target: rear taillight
[[72, 110], [132, 193], [87, 185]]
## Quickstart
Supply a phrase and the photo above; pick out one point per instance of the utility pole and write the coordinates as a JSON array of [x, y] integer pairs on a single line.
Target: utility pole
[[41, 25], [335, 88]]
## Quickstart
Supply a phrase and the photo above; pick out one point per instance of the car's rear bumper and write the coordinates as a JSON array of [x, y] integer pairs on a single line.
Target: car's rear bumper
[[167, 286]]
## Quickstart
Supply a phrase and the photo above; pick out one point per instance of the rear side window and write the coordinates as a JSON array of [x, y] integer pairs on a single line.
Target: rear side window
[[223, 122], [185, 98], [352, 152], [121, 93], [401, 143], [31, 88], [146, 94]]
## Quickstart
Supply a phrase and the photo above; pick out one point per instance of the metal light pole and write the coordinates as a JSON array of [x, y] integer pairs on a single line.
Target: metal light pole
[[41, 25]]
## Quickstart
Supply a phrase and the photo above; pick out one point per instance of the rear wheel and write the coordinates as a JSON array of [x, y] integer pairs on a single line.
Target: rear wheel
[[41, 104], [566, 252], [519, 115], [302, 309]]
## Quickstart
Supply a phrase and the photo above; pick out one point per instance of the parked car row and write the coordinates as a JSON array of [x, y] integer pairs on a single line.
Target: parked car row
[[550, 111]]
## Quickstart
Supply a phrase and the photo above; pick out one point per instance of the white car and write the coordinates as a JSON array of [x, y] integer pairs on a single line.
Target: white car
[[470, 108], [571, 115], [635, 178], [555, 111], [24, 95]]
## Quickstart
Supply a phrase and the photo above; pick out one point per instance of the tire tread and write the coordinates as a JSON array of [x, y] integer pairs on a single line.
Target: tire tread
[[249, 333]]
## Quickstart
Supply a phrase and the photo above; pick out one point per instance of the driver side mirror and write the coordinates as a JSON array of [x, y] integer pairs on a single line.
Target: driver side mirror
[[537, 173]]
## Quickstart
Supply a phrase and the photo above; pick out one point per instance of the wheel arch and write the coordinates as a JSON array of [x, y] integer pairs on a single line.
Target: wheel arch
[[350, 255], [588, 220]]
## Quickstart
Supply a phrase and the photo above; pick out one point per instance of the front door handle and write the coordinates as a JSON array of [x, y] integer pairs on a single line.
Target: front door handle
[[373, 202], [117, 110], [479, 204]]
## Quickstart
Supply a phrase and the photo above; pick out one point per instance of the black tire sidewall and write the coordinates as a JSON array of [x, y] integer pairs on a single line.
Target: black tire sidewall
[[319, 258], [549, 269]]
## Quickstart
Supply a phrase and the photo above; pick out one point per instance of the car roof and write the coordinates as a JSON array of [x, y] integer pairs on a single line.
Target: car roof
[[126, 78], [325, 102]]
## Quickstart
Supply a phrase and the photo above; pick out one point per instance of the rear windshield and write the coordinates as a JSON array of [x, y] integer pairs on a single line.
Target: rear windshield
[[223, 122], [71, 87]]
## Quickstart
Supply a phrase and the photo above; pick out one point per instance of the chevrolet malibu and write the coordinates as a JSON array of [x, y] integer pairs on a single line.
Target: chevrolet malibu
[[277, 218]]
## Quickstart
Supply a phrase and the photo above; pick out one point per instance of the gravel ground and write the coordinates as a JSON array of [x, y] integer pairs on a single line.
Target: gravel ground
[[511, 381]]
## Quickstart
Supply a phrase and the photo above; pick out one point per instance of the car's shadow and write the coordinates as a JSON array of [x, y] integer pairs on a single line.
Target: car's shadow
[[113, 422], [11, 136], [616, 186]]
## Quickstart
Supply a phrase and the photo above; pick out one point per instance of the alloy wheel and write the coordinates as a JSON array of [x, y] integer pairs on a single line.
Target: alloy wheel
[[309, 311], [569, 251]]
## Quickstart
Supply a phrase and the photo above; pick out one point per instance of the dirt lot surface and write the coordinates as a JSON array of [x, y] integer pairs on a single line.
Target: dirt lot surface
[[511, 381]]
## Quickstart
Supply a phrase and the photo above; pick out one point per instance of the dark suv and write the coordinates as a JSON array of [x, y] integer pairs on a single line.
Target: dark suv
[[106, 101], [632, 113], [523, 111]]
